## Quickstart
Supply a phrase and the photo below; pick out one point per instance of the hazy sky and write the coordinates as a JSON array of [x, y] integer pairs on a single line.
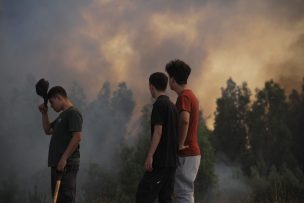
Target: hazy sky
[[91, 41]]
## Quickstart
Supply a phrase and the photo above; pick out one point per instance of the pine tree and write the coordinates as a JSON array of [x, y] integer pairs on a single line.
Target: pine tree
[[295, 124], [230, 132], [270, 137]]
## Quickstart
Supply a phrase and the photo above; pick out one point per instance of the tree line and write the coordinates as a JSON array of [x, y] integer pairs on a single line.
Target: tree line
[[265, 136], [260, 133]]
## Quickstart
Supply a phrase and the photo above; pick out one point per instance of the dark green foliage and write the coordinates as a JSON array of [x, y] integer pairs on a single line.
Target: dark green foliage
[[295, 121], [230, 129], [280, 186], [273, 128], [269, 136], [205, 178]]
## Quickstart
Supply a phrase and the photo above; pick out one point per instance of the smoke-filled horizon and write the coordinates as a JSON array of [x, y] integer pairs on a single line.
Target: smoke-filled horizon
[[94, 41]]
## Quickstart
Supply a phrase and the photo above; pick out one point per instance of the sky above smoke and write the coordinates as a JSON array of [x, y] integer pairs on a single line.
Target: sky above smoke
[[93, 41]]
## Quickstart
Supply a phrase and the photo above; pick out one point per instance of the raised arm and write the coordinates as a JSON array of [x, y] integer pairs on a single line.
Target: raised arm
[[45, 119]]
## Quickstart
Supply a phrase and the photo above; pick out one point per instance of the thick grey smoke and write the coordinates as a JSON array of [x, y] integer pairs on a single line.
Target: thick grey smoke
[[290, 67], [94, 41], [231, 183]]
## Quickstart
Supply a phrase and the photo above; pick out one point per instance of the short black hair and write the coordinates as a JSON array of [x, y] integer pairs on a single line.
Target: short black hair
[[57, 90], [179, 70], [159, 81]]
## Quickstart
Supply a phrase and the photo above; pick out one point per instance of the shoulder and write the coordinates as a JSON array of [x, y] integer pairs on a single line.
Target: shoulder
[[164, 102], [187, 95], [74, 112], [159, 101], [184, 96], [157, 106]]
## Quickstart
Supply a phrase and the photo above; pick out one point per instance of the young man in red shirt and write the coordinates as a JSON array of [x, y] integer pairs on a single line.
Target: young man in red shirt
[[189, 154]]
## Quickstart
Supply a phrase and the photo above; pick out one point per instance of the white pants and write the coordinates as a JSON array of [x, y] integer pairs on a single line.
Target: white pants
[[184, 178]]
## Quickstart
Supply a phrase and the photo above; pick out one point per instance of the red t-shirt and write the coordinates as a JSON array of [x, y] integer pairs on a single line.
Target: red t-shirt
[[187, 101]]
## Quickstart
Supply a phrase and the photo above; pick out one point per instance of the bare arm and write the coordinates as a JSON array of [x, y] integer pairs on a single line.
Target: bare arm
[[45, 119], [69, 150], [183, 128], [154, 143]]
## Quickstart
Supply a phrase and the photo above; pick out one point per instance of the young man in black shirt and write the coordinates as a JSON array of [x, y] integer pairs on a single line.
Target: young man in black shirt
[[161, 160], [64, 145]]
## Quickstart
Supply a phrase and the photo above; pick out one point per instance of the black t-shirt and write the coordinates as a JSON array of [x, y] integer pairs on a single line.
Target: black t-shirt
[[66, 123], [164, 113]]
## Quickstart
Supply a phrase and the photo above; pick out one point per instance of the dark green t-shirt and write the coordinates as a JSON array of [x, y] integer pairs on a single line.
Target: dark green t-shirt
[[66, 123]]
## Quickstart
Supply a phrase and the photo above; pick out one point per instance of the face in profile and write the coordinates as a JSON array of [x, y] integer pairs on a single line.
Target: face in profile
[[171, 83], [151, 88], [56, 103]]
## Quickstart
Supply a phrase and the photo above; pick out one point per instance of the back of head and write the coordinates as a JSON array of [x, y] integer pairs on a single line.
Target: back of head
[[57, 90], [159, 81], [178, 70]]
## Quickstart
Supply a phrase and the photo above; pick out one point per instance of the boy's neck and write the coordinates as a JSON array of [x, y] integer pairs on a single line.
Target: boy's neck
[[158, 94], [66, 105], [180, 88]]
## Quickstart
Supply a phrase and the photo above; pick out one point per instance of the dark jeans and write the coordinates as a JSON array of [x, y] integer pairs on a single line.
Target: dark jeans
[[158, 183], [67, 191]]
